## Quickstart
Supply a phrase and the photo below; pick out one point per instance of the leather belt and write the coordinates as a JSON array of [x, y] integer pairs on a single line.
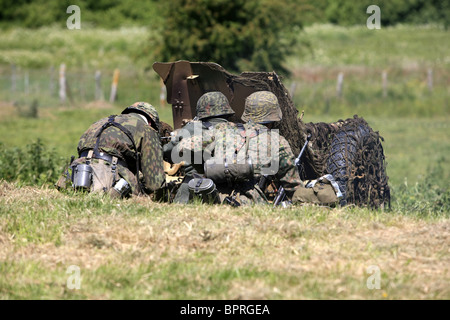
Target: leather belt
[[104, 156]]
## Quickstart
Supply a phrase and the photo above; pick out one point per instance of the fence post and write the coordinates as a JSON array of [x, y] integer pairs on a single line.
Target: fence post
[[115, 82], [13, 78], [62, 83], [340, 83], [430, 79], [98, 86], [385, 83]]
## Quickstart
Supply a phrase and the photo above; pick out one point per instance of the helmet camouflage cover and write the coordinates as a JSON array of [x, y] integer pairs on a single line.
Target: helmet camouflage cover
[[147, 109], [213, 104], [262, 107]]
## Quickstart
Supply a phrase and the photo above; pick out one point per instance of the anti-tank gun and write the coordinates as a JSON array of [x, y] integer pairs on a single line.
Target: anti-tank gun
[[347, 149]]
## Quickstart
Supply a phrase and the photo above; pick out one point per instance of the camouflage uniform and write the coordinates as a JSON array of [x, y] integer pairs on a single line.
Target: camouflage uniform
[[115, 142], [212, 108], [262, 107], [270, 155]]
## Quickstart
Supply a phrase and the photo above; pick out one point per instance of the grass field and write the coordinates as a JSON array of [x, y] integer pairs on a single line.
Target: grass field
[[137, 249]]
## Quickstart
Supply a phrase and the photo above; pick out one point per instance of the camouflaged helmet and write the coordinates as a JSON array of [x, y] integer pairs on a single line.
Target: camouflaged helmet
[[262, 107], [147, 110], [213, 104]]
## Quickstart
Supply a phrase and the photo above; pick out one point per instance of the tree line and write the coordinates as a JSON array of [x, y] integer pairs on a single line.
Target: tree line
[[116, 13], [238, 34]]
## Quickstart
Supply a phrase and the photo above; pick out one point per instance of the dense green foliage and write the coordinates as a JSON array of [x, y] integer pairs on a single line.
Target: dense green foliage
[[345, 12], [115, 13], [430, 195], [242, 35], [33, 165], [104, 13]]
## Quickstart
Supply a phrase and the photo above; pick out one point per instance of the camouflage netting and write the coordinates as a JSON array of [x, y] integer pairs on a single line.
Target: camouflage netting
[[352, 152]]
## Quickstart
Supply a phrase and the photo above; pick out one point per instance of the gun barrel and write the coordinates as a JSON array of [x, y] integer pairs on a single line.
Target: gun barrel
[[297, 160]]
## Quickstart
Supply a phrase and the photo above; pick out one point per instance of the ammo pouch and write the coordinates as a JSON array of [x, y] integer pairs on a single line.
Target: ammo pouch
[[99, 177], [229, 172], [204, 189]]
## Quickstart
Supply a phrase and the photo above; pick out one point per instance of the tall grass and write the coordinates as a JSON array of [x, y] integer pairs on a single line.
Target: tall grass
[[429, 196], [33, 165]]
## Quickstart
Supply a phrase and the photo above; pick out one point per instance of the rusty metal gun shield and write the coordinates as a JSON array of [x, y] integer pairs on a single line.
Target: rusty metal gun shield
[[187, 81]]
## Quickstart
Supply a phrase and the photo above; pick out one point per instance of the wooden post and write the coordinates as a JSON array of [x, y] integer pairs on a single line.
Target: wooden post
[[13, 78], [62, 83], [98, 86], [385, 83], [115, 82], [340, 84], [162, 94], [26, 82], [430, 79]]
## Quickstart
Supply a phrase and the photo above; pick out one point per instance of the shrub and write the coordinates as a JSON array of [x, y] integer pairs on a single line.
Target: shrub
[[429, 196], [238, 35], [34, 165]]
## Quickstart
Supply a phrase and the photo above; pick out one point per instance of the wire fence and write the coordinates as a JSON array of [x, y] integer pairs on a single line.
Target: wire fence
[[316, 88], [63, 86]]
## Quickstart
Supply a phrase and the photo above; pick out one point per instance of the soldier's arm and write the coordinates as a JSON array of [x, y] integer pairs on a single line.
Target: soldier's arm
[[152, 161]]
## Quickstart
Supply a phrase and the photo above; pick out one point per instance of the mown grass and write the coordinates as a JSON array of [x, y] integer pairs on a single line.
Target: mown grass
[[137, 249]]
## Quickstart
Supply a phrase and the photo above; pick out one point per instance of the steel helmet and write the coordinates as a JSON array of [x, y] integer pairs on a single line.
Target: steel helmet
[[262, 107], [213, 104], [147, 110]]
